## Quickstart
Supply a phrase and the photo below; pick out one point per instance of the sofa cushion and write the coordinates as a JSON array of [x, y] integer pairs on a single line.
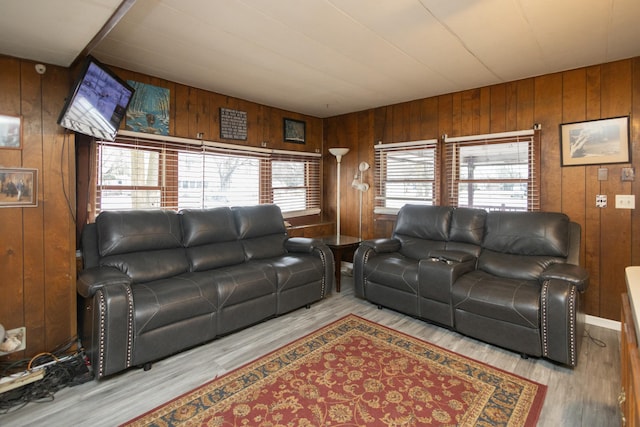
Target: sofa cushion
[[169, 301], [394, 271], [424, 222], [210, 238], [507, 300], [467, 225], [422, 229], [137, 230], [204, 226], [148, 266], [261, 230], [528, 233]]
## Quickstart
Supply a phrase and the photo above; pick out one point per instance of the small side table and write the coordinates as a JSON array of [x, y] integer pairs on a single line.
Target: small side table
[[342, 248]]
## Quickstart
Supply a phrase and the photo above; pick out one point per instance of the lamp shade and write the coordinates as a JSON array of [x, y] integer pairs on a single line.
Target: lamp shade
[[338, 152]]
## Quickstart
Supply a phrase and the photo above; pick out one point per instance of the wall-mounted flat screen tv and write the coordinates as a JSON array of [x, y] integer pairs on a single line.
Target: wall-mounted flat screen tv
[[97, 102]]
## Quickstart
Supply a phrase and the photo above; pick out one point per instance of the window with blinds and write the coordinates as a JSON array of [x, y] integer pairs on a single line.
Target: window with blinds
[[406, 172], [135, 173], [494, 172]]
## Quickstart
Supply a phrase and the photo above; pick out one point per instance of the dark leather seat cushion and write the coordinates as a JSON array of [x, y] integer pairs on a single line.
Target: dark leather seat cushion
[[243, 282], [296, 270], [170, 301], [394, 270], [510, 300]]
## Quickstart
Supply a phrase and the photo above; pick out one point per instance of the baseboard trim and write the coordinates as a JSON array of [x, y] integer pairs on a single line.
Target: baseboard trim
[[602, 322]]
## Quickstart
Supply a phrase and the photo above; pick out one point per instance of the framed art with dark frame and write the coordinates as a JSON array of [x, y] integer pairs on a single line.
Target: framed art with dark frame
[[595, 142], [10, 131], [19, 187], [294, 131]]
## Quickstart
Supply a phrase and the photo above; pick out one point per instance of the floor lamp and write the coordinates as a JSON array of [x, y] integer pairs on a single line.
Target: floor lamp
[[338, 152]]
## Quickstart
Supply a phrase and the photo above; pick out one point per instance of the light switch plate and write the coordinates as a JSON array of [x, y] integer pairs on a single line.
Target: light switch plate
[[625, 201]]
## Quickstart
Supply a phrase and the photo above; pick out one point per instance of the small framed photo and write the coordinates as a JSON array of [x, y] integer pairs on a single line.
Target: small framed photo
[[10, 132], [595, 142], [294, 131], [19, 187]]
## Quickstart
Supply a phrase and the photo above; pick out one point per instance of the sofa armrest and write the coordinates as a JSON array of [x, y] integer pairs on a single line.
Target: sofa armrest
[[318, 248], [562, 321], [574, 274], [300, 244], [94, 278], [383, 245]]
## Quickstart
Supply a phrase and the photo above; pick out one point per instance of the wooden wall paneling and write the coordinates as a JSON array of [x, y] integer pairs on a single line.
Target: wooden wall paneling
[[498, 108], [511, 92], [401, 122], [349, 197], [548, 112], [635, 157], [591, 229], [457, 126], [470, 112], [615, 224], [180, 114], [34, 279], [366, 153], [11, 221], [484, 113], [58, 196], [573, 178], [415, 121], [525, 108]]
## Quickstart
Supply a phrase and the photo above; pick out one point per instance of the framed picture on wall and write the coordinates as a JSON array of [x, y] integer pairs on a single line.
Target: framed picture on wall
[[294, 131], [10, 132], [19, 187], [595, 142]]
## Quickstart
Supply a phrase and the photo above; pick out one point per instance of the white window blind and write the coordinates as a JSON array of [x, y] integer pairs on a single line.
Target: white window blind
[[137, 173], [494, 171], [406, 172]]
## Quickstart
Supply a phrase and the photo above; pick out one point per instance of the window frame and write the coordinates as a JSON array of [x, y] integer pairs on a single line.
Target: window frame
[[381, 179], [452, 166], [169, 149]]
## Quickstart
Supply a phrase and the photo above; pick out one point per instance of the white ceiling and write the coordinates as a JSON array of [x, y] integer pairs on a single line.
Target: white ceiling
[[329, 57]]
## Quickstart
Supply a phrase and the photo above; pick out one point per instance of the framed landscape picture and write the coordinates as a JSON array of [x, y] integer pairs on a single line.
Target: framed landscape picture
[[294, 131], [595, 142]]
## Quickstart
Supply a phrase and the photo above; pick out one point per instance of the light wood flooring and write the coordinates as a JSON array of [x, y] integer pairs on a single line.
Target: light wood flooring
[[584, 396]]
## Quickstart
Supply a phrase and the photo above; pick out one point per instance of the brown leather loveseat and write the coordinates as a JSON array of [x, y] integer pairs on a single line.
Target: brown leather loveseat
[[508, 278]]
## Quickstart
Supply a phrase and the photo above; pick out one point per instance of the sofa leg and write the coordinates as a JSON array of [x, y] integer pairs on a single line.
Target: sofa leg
[[147, 366], [308, 306], [379, 307], [524, 356]]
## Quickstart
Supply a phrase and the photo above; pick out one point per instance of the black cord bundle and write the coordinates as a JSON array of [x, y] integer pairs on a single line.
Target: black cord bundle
[[60, 371]]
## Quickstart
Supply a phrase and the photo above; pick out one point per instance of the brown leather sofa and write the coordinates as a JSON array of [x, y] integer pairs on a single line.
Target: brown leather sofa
[[507, 278], [157, 282]]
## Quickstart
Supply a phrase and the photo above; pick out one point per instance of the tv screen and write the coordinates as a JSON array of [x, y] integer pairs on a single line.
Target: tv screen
[[97, 102]]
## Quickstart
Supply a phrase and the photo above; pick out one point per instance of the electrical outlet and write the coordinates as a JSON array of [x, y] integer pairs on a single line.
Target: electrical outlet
[[15, 340], [625, 201], [601, 201]]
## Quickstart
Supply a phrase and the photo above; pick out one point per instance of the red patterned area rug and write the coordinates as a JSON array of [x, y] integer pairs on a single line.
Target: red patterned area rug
[[354, 372]]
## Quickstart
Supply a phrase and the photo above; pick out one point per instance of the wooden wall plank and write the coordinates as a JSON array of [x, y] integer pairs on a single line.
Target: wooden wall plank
[[34, 218]]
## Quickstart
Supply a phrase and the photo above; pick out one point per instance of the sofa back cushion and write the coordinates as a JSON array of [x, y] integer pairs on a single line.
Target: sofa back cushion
[[145, 244], [261, 230], [210, 238], [467, 230], [522, 244], [422, 229]]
